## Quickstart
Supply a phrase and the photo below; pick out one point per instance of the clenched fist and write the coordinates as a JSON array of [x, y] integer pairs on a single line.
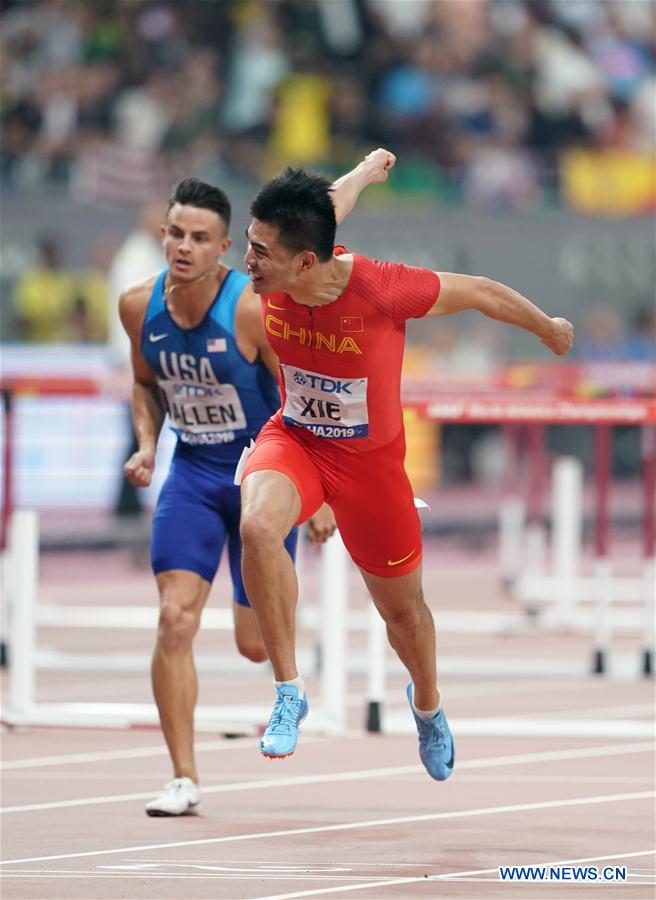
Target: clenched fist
[[140, 467], [560, 337], [321, 525], [381, 162]]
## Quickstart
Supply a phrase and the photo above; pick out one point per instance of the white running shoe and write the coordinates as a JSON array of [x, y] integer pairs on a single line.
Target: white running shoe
[[177, 798]]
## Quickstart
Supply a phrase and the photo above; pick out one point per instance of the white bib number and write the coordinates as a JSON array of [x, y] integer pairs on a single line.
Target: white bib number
[[328, 407], [204, 413]]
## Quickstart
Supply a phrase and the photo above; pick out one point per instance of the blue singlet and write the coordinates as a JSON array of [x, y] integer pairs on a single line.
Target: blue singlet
[[216, 401]]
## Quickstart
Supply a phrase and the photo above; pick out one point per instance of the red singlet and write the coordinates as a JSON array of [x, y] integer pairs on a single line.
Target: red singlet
[[339, 433]]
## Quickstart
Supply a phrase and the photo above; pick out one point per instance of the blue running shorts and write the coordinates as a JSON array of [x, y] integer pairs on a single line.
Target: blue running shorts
[[197, 512]]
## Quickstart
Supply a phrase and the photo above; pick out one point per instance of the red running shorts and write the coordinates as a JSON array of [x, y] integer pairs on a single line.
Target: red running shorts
[[369, 492]]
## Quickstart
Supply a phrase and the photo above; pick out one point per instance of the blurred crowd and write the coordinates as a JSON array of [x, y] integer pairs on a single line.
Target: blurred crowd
[[111, 101], [53, 303], [115, 99]]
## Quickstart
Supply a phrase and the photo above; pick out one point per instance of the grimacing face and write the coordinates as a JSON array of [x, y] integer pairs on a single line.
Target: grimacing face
[[271, 266], [194, 239]]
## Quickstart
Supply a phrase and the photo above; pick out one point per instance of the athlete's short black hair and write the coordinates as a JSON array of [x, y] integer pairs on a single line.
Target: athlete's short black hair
[[193, 192], [299, 204]]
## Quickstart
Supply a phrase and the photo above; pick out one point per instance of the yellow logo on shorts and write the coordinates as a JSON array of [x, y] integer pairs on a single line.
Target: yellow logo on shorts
[[397, 562]]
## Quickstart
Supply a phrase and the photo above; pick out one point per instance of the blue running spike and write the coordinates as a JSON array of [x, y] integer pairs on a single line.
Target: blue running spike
[[436, 748], [279, 739]]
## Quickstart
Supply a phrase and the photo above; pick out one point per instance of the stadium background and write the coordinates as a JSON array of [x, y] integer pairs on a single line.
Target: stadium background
[[524, 133]]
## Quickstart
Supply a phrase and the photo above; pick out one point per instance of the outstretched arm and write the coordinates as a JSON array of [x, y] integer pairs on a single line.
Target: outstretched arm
[[373, 169], [496, 301]]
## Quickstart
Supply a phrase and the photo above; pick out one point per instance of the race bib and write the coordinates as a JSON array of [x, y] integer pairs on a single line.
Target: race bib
[[203, 413], [328, 407]]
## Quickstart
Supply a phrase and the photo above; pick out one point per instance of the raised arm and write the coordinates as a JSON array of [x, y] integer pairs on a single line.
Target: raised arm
[[373, 169], [148, 411], [497, 301]]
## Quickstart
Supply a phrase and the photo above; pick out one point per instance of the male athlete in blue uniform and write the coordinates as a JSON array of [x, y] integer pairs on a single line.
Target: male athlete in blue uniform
[[200, 355]]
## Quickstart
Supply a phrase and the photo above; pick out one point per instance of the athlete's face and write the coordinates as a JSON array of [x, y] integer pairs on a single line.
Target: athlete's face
[[271, 266], [194, 239]]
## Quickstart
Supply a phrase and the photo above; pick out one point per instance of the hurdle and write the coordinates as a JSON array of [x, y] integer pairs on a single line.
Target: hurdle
[[5, 512], [235, 719], [24, 616], [568, 599], [561, 598]]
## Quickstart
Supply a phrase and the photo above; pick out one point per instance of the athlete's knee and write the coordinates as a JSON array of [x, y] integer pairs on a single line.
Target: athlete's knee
[[178, 625], [406, 612], [259, 532], [251, 648]]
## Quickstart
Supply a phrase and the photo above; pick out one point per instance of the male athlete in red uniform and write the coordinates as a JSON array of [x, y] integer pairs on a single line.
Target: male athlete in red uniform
[[337, 322]]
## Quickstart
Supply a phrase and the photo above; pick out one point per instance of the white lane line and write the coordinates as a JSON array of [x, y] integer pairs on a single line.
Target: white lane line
[[350, 826], [119, 876], [52, 874], [489, 880], [354, 775], [457, 876], [513, 778], [256, 785], [622, 711], [37, 762], [340, 888], [471, 876]]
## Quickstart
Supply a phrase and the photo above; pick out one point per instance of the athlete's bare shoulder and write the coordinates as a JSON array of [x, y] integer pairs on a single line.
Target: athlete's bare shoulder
[[248, 299], [138, 293], [248, 313], [133, 303], [249, 328]]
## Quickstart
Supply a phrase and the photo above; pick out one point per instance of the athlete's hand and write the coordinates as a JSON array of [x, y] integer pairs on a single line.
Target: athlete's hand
[[321, 525], [560, 337], [140, 467], [381, 162], [327, 291], [373, 169]]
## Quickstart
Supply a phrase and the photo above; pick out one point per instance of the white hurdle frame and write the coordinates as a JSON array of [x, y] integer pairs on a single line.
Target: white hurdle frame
[[512, 519], [565, 598], [376, 653], [333, 592], [327, 717], [567, 537], [23, 576]]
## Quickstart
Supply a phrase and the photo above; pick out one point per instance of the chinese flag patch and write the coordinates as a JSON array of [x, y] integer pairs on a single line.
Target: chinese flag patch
[[351, 323]]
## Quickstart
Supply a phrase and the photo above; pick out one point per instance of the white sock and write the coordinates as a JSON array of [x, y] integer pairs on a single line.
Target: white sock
[[424, 713], [298, 683]]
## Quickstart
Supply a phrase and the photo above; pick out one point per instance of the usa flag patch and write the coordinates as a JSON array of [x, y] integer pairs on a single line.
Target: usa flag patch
[[217, 345]]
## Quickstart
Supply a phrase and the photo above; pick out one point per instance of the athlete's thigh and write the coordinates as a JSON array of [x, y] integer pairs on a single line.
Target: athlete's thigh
[[183, 589], [375, 513], [189, 531], [386, 543], [394, 595], [234, 554], [296, 491]]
